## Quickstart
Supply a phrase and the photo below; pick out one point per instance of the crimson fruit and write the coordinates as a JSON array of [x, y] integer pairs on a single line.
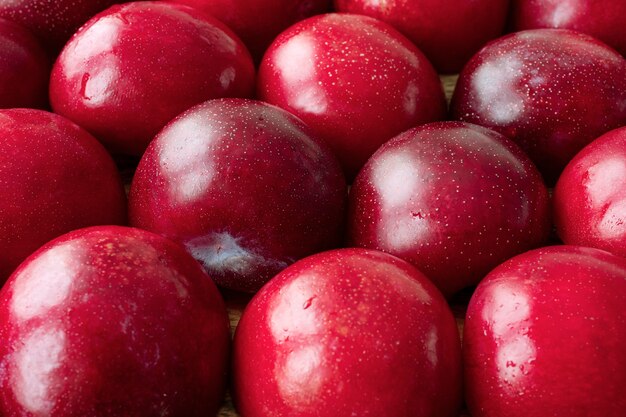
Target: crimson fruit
[[347, 332], [258, 22], [448, 32], [54, 178], [245, 186], [603, 19], [551, 91], [24, 68], [453, 199], [355, 80], [544, 336], [53, 21], [111, 321], [134, 67], [590, 196]]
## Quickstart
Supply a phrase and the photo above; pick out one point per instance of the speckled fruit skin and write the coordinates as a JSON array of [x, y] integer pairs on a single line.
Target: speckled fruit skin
[[590, 196], [347, 332], [112, 321], [244, 186], [24, 68], [552, 91], [453, 199], [53, 21], [545, 334], [258, 22], [54, 177], [354, 79], [134, 67], [448, 32], [603, 19]]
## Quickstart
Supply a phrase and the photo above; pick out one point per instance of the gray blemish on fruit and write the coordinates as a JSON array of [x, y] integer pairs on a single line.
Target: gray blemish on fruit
[[223, 253]]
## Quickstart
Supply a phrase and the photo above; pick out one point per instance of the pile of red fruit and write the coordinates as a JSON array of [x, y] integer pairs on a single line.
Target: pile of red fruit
[[304, 151]]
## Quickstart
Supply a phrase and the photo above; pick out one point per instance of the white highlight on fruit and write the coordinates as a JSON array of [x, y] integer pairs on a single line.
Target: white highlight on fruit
[[185, 159], [227, 77], [297, 68], [106, 31], [396, 180], [431, 346], [495, 89], [292, 312], [509, 314], [45, 283], [39, 357], [299, 378], [563, 13]]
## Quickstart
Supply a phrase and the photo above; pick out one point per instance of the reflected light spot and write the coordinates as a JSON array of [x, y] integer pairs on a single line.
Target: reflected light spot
[[300, 380], [45, 283], [293, 312], [494, 88], [37, 360]]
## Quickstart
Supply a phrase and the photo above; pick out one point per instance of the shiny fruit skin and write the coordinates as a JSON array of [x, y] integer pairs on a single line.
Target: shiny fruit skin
[[347, 332], [551, 91], [603, 19], [590, 196], [453, 199], [545, 334], [54, 178], [258, 22], [448, 32], [355, 80], [245, 186], [112, 321], [24, 68], [134, 67], [52, 21]]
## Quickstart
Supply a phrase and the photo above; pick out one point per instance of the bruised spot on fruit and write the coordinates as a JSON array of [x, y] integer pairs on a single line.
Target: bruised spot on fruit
[[221, 253]]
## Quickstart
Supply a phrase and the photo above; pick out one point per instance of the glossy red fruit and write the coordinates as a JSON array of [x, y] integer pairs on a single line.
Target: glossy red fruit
[[111, 321], [453, 199], [349, 332], [54, 177], [590, 196], [545, 335], [24, 68], [603, 19], [53, 21], [355, 80], [258, 22], [134, 67], [244, 186], [448, 32], [551, 91]]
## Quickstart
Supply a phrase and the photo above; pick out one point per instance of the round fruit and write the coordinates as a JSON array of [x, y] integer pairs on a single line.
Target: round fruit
[[604, 19], [448, 32], [24, 68], [453, 199], [54, 178], [244, 186], [355, 80], [258, 22], [590, 196], [111, 321], [134, 67], [53, 21], [349, 332], [545, 335], [551, 91]]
